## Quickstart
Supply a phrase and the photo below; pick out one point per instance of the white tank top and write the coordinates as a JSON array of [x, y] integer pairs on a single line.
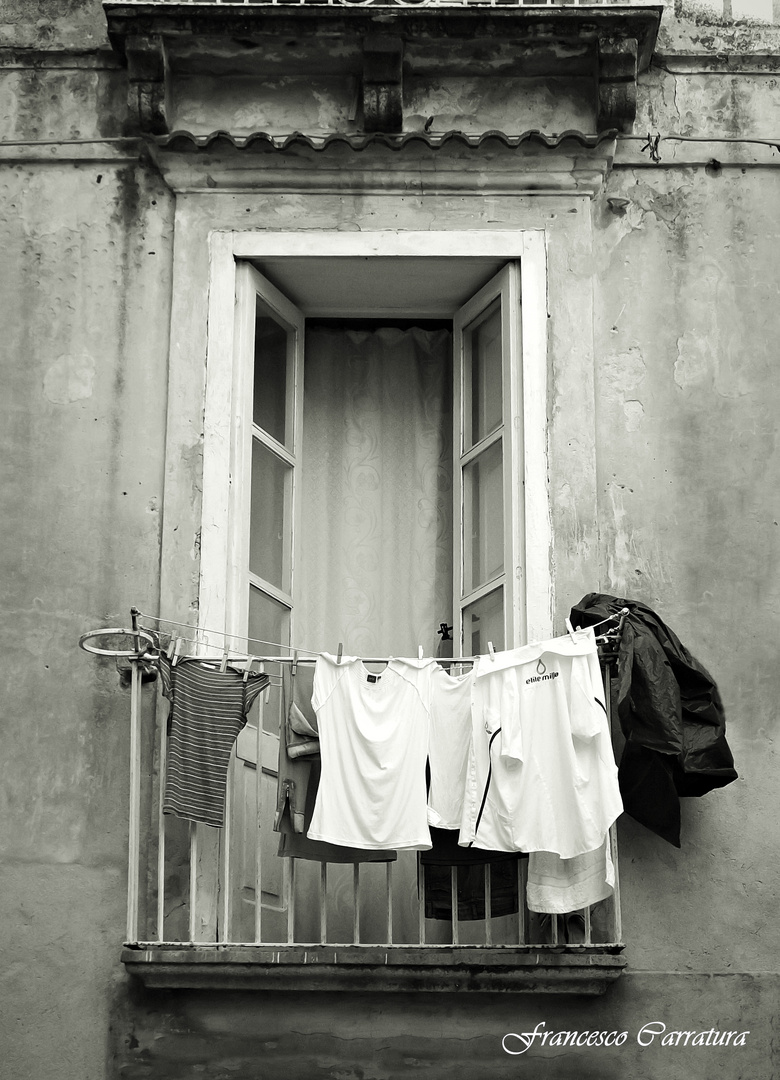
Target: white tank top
[[449, 745]]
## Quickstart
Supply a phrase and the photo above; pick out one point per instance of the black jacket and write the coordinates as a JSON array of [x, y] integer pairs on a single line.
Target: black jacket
[[670, 713]]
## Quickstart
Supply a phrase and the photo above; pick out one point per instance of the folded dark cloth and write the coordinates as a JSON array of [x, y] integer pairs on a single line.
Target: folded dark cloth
[[470, 864]]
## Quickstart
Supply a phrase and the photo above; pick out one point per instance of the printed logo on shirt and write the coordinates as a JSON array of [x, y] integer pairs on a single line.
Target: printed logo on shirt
[[542, 674]]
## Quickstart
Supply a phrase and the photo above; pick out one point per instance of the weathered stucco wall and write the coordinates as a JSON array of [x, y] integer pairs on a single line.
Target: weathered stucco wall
[[688, 470], [382, 1037], [663, 323], [85, 264]]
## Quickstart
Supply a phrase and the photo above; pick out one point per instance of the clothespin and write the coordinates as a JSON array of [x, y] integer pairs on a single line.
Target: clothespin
[[340, 653], [294, 666], [419, 652], [492, 651], [224, 661], [176, 650], [248, 667], [571, 631]]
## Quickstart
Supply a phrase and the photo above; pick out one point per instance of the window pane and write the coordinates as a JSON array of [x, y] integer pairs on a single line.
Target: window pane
[[483, 621], [269, 622], [270, 382], [483, 518], [483, 348], [269, 535]]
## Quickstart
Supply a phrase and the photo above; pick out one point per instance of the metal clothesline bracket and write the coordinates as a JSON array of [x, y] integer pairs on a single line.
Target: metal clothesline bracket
[[136, 654]]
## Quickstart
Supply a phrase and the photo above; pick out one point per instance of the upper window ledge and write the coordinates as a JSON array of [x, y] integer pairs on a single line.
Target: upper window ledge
[[569, 969], [381, 44]]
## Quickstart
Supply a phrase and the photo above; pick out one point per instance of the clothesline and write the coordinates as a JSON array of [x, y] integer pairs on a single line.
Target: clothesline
[[302, 649], [138, 630]]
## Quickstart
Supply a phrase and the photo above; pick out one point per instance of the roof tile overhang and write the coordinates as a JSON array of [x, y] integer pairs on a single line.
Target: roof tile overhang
[[445, 163], [379, 43]]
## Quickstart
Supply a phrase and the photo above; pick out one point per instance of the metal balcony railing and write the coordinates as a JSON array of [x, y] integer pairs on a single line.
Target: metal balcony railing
[[193, 889]]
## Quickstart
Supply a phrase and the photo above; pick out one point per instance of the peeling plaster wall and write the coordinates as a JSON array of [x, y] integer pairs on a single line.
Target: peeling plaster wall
[[672, 504], [687, 319], [85, 250]]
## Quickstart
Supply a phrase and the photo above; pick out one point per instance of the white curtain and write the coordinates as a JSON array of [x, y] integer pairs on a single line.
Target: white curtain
[[375, 542]]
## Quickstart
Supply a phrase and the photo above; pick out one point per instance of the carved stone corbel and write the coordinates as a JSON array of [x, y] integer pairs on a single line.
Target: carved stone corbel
[[382, 83], [617, 84], [146, 66]]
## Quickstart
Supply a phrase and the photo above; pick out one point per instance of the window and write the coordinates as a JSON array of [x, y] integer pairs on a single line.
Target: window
[[429, 349]]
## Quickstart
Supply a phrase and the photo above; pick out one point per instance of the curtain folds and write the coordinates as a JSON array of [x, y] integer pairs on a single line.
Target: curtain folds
[[374, 552]]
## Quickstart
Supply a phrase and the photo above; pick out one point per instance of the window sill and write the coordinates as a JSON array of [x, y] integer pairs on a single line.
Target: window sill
[[559, 969]]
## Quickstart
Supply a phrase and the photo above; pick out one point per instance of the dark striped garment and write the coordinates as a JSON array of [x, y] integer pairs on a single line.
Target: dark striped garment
[[208, 709]]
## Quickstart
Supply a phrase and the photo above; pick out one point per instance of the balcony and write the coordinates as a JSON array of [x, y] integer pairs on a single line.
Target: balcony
[[220, 909]]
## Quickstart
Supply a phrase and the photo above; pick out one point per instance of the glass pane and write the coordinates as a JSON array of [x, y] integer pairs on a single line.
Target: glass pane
[[483, 518], [483, 621], [270, 382], [269, 532], [269, 623], [483, 376]]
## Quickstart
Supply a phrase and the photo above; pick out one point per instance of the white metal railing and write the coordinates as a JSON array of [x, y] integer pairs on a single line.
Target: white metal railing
[[234, 888]]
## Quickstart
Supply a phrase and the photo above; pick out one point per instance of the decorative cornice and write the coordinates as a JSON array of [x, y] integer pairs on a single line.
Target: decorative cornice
[[612, 43]]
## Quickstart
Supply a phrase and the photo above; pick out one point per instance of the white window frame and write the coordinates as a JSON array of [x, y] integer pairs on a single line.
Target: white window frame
[[225, 502]]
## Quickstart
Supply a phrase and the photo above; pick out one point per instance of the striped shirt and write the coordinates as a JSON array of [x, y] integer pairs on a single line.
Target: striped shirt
[[208, 709]]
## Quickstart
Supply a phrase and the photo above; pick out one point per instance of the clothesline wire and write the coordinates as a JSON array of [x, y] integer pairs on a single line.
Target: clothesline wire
[[615, 617], [219, 633], [261, 641]]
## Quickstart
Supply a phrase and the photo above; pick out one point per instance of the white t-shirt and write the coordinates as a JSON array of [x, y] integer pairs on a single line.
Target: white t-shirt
[[373, 745], [541, 772], [449, 745]]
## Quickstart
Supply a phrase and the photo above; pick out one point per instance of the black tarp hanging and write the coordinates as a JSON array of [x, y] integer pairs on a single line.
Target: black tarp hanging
[[670, 713]]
